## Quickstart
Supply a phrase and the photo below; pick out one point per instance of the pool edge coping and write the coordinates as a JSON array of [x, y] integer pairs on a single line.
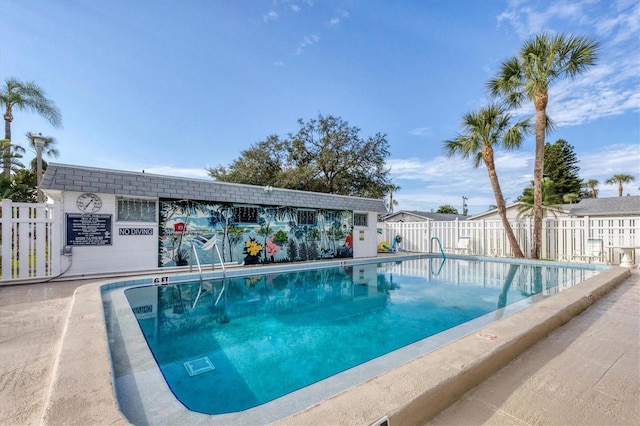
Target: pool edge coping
[[82, 388], [419, 390]]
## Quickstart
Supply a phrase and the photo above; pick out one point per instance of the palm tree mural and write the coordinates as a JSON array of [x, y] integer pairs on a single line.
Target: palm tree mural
[[528, 76], [326, 219], [234, 236], [182, 207], [222, 215], [483, 130], [270, 217], [24, 96], [619, 179], [592, 184]]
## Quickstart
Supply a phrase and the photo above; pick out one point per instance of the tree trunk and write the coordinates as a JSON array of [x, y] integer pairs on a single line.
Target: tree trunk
[[540, 102], [6, 160], [487, 155]]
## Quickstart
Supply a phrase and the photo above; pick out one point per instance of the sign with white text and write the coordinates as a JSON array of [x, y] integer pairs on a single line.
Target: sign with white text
[[89, 229]]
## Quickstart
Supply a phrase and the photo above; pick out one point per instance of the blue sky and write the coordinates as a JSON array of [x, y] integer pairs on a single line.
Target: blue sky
[[174, 87]]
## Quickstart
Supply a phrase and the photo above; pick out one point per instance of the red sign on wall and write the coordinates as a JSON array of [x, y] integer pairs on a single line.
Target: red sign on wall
[[179, 227]]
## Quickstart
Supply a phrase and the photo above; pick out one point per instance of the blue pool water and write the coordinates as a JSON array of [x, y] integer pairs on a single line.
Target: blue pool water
[[271, 334]]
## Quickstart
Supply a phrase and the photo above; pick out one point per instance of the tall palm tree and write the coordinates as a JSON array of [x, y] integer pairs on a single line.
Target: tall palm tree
[[483, 130], [25, 96], [592, 184], [619, 179], [528, 76]]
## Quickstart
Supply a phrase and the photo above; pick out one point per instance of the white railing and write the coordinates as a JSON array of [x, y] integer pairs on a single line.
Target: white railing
[[562, 238], [29, 241]]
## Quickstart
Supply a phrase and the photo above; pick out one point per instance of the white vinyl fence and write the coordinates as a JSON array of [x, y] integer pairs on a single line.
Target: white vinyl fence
[[29, 241], [31, 238], [562, 238]]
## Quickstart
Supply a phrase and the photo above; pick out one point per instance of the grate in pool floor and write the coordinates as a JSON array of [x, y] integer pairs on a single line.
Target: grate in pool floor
[[199, 366]]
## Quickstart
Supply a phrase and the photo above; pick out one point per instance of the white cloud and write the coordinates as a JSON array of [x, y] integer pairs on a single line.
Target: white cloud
[[421, 131], [429, 183], [307, 41], [527, 20], [612, 160], [342, 15], [610, 88], [271, 16]]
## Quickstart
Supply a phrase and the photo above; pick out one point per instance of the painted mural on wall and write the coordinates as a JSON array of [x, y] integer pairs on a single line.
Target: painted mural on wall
[[251, 234]]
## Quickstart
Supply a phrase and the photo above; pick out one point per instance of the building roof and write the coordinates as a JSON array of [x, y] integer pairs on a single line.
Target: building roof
[[424, 215], [610, 206], [494, 211], [63, 177]]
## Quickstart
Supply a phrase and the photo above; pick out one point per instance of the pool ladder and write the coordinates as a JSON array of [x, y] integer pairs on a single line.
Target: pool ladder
[[439, 245], [444, 257], [194, 255]]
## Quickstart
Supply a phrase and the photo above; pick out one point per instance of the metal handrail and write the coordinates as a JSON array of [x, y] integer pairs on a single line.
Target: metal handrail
[[440, 245], [194, 252], [224, 285], [195, 255], [224, 270]]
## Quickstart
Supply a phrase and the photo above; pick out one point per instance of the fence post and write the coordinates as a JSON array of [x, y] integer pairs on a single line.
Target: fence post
[[457, 236], [483, 234], [56, 238], [587, 228], [5, 218]]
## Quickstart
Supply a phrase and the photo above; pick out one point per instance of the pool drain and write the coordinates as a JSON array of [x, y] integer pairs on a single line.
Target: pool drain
[[199, 366]]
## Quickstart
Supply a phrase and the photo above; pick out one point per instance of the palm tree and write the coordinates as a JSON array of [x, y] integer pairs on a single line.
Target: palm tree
[[528, 76], [392, 202], [10, 156], [550, 200], [483, 130], [570, 198], [592, 184], [25, 96], [619, 179]]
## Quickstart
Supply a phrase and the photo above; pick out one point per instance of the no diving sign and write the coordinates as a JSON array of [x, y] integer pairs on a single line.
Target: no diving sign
[[135, 231]]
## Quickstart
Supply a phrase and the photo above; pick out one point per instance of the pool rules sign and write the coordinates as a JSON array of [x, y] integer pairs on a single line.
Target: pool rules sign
[[89, 229]]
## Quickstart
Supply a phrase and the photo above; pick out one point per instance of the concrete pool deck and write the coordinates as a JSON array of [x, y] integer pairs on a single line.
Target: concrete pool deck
[[536, 367]]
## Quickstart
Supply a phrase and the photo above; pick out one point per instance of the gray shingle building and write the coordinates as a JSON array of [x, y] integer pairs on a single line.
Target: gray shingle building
[[610, 206], [61, 177], [123, 221]]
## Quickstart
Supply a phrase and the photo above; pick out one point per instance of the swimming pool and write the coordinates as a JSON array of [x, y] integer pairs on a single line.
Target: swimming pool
[[273, 333]]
